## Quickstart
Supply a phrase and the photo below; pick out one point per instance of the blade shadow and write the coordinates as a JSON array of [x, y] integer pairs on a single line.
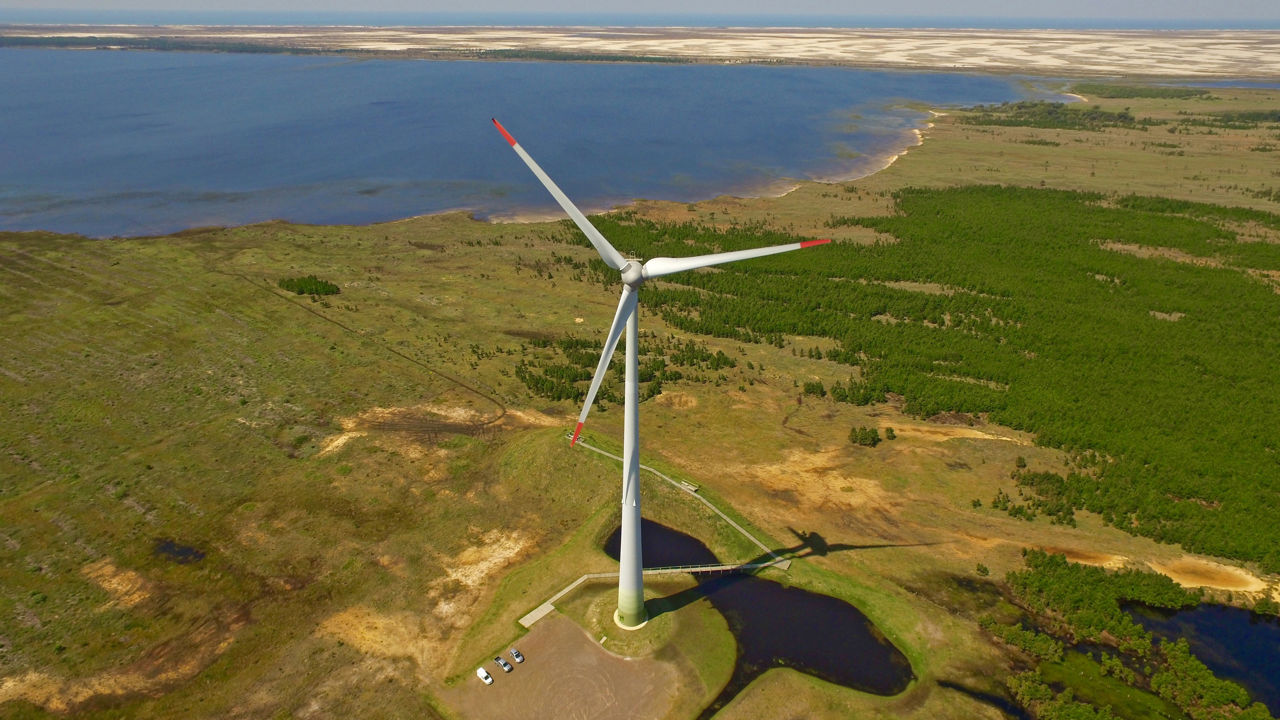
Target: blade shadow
[[811, 544]]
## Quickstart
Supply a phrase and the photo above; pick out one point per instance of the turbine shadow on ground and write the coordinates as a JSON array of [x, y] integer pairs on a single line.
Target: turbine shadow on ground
[[811, 544], [779, 626]]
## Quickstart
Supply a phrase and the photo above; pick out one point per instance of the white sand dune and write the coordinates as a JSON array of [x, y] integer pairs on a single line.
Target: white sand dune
[[1169, 54]]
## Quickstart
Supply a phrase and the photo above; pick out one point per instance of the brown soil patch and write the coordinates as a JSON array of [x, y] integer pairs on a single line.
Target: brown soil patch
[[677, 400], [160, 668], [126, 587], [1148, 251], [568, 675], [1189, 571]]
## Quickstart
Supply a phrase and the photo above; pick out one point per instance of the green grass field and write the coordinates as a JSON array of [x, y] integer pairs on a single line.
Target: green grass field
[[375, 497]]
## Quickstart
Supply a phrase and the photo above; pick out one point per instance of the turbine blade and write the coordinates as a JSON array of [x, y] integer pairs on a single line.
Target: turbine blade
[[659, 266], [611, 257], [626, 306]]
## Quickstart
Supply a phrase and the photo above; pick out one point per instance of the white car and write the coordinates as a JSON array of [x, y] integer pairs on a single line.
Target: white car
[[485, 676], [516, 654]]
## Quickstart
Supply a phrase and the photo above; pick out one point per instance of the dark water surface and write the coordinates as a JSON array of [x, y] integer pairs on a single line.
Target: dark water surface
[[177, 552], [132, 143], [1235, 644], [777, 626]]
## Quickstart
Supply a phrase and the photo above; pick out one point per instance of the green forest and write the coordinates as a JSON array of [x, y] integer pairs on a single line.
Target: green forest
[[309, 285], [1157, 376]]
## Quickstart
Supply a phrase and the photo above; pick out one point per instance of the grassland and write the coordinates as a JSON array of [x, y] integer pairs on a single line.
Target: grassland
[[378, 497]]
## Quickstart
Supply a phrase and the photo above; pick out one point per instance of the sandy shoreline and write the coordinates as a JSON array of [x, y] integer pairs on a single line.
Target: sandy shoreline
[[1184, 54]]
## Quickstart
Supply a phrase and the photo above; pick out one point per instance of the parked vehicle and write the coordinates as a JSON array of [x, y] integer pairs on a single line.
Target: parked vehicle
[[484, 675], [515, 654], [506, 666]]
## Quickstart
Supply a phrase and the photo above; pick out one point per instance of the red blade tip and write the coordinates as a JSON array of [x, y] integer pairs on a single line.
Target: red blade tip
[[811, 243], [576, 432], [504, 132]]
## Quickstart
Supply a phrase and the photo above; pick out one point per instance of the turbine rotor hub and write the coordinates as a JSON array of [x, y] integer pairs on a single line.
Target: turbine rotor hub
[[632, 273]]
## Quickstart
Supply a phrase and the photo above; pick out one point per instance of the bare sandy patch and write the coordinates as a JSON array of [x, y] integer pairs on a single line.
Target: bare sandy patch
[[1190, 571], [530, 418], [1184, 53], [943, 433], [1168, 316], [819, 479], [413, 430], [335, 443], [126, 587], [386, 635], [1166, 253], [428, 635], [496, 550], [163, 666], [920, 287], [1089, 557], [1253, 232], [1271, 277]]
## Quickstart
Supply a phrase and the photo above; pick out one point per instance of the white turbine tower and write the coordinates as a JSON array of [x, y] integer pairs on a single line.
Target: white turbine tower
[[631, 613]]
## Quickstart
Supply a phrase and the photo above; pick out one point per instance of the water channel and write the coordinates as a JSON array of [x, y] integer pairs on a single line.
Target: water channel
[[778, 626]]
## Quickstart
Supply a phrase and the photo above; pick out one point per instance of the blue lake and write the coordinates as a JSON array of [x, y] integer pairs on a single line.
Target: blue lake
[[133, 143], [1234, 643]]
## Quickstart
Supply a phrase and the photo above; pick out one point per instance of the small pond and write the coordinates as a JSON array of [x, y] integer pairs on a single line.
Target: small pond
[[173, 550], [778, 626], [1234, 643]]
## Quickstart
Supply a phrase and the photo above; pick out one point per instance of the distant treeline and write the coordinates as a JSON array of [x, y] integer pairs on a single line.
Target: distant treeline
[[1171, 422], [1050, 115]]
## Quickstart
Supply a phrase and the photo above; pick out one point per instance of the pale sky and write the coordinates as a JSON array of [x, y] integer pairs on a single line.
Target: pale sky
[[1155, 10]]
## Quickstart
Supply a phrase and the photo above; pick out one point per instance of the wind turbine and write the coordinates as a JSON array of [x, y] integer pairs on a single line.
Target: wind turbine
[[631, 614]]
